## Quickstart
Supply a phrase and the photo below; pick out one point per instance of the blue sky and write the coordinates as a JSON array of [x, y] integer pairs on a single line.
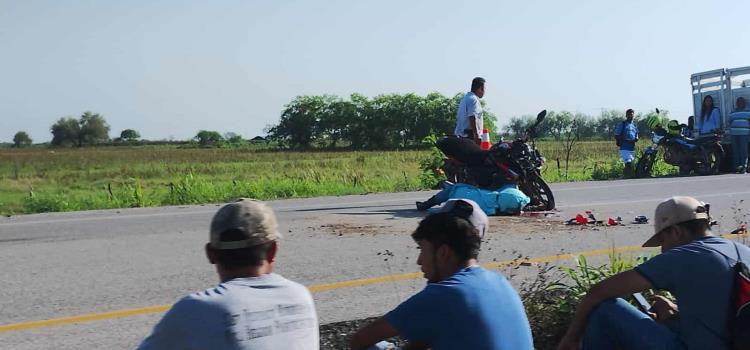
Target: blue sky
[[171, 68]]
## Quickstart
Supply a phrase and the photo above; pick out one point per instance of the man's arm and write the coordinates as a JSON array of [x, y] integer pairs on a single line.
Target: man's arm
[[474, 135], [377, 331], [372, 333], [621, 284]]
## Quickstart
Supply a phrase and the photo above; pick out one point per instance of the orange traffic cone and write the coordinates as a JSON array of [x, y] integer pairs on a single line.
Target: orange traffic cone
[[485, 144]]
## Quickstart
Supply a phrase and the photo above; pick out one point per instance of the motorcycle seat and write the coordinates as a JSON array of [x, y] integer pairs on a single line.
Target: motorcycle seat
[[463, 150], [700, 140]]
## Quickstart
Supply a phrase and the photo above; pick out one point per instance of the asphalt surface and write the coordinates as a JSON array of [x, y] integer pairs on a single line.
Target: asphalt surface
[[71, 264]]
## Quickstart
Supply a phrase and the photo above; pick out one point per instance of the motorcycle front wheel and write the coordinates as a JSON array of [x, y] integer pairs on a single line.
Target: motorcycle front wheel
[[538, 191], [645, 165]]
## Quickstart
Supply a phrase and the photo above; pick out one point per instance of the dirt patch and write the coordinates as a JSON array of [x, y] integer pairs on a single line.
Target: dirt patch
[[353, 230], [335, 336], [526, 225]]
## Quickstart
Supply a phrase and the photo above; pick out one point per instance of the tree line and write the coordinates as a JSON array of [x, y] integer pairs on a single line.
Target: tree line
[[382, 122], [395, 121], [586, 127], [92, 129]]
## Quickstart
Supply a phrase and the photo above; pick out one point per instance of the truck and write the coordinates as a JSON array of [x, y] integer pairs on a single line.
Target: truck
[[724, 85]]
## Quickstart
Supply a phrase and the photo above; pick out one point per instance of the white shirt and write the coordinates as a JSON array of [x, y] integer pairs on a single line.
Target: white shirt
[[468, 107], [265, 312]]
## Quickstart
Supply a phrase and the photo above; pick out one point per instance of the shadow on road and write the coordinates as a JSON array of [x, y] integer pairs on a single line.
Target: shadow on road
[[352, 210], [396, 213]]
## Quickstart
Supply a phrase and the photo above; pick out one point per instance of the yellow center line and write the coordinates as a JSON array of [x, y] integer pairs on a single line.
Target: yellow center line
[[316, 288]]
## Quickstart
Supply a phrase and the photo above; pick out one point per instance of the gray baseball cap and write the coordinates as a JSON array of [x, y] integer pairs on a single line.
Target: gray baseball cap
[[472, 210], [255, 221], [673, 211]]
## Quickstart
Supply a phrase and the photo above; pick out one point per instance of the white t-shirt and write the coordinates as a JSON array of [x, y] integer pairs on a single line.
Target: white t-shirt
[[265, 312], [469, 106]]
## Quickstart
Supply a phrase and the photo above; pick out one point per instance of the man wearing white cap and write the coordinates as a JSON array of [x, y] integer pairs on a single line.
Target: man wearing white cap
[[463, 306], [695, 266], [253, 308]]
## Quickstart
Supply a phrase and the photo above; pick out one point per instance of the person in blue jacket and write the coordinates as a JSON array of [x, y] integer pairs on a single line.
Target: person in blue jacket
[[626, 135], [709, 121]]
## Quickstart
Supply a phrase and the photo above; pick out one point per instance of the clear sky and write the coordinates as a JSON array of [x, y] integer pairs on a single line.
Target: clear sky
[[172, 67]]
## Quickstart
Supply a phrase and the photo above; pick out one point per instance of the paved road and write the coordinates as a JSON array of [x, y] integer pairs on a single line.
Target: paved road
[[71, 264]]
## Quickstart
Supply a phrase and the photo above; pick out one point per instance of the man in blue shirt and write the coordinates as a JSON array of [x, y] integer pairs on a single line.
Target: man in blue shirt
[[695, 266], [463, 306], [626, 135]]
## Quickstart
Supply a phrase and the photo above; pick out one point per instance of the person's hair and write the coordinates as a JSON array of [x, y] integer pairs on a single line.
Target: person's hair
[[476, 83], [630, 110], [740, 100], [242, 257], [696, 228], [451, 230], [705, 112]]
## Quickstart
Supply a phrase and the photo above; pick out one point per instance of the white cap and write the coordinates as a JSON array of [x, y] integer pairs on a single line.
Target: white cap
[[476, 216]]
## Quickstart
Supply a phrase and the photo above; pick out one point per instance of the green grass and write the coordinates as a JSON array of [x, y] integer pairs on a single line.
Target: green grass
[[43, 180]]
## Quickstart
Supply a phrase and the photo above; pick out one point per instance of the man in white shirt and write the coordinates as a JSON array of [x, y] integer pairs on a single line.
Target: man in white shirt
[[253, 308], [469, 122]]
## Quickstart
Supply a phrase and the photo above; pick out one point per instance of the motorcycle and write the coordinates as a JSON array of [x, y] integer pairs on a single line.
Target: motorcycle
[[692, 155], [506, 162]]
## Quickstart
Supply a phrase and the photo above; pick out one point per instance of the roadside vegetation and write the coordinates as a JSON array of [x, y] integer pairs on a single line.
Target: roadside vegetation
[[322, 145], [34, 180]]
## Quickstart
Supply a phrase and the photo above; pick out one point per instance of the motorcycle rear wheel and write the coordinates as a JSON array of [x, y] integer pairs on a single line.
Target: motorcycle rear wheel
[[453, 172], [710, 163], [538, 191]]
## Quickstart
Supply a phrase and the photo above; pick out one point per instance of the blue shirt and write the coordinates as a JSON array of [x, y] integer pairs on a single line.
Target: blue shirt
[[701, 279], [739, 123], [712, 122], [629, 133], [473, 309]]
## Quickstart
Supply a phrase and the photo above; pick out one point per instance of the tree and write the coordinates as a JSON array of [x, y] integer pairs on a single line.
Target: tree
[[94, 129], [234, 138], [65, 132], [21, 139], [129, 135], [208, 138], [607, 122], [571, 134], [517, 126], [299, 125], [90, 129]]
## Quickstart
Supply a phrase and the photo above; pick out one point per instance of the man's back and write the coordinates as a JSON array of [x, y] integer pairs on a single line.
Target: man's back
[[700, 276], [469, 106], [265, 312], [473, 309]]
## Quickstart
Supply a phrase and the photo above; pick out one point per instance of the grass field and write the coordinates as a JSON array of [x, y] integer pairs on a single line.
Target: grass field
[[45, 180]]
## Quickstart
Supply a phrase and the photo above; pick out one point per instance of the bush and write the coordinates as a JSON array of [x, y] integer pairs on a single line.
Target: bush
[[432, 165], [551, 299], [604, 171]]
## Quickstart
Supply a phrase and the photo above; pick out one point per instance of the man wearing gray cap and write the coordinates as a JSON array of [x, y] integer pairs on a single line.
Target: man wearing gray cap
[[252, 308], [695, 266], [463, 306]]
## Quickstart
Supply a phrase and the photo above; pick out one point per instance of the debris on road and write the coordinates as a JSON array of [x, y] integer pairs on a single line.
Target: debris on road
[[740, 230]]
